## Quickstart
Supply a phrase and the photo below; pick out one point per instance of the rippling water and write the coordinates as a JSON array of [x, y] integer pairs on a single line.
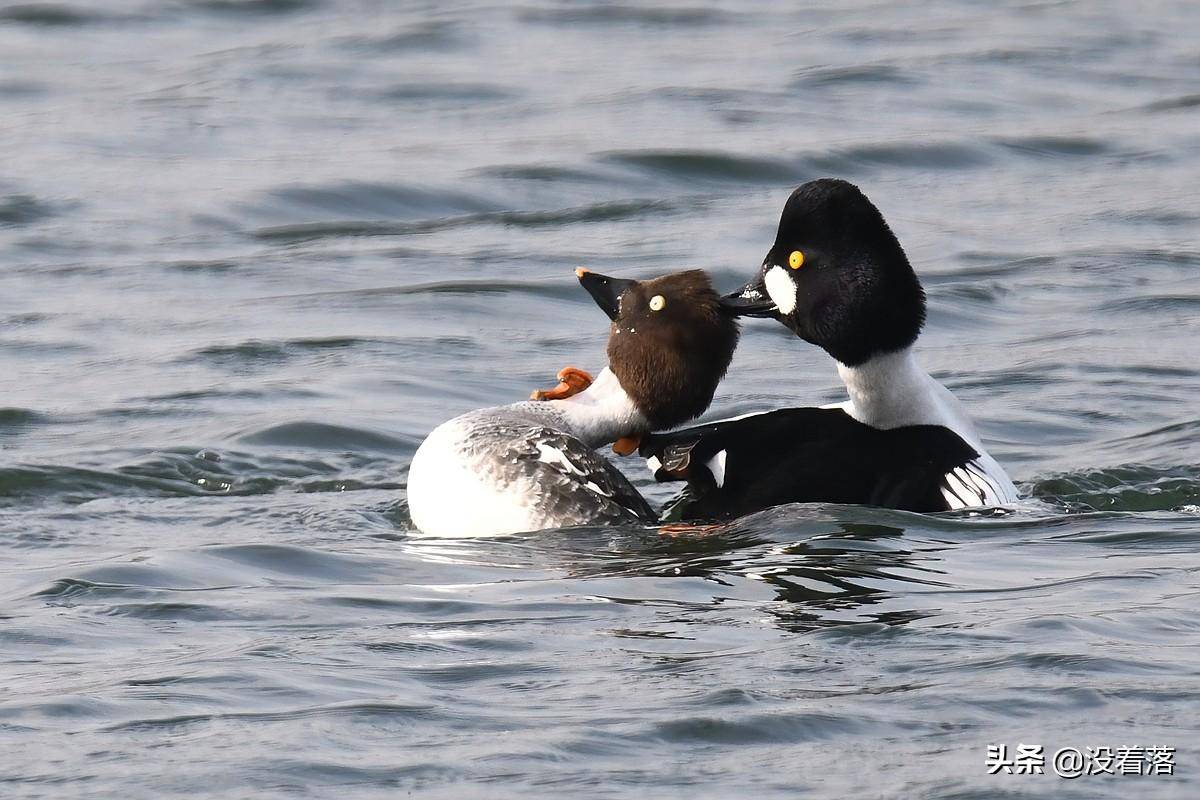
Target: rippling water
[[253, 251]]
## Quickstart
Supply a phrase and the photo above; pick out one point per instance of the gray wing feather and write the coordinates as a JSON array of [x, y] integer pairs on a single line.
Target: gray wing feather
[[575, 482], [564, 481]]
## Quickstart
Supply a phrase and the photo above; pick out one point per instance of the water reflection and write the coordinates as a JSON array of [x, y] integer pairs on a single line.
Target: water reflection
[[802, 565], [825, 579]]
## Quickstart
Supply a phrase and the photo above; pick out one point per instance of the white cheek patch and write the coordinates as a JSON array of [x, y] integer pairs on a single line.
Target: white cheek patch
[[781, 288]]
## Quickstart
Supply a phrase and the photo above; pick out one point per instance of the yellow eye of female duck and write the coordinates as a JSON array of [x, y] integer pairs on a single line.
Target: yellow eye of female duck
[[796, 259], [657, 302]]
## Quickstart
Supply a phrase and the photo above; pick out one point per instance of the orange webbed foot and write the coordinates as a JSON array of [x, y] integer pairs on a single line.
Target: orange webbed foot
[[571, 381], [627, 445]]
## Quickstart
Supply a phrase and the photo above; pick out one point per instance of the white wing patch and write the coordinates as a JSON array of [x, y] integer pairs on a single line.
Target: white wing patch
[[716, 465], [969, 486], [596, 489], [555, 457]]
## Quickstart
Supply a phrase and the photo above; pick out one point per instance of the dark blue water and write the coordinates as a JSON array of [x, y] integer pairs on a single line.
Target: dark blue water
[[251, 252]]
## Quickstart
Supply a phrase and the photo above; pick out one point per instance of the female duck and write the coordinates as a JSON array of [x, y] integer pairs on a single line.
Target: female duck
[[532, 465]]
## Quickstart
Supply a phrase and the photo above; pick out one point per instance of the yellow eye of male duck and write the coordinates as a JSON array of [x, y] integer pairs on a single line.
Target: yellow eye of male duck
[[657, 302], [796, 259]]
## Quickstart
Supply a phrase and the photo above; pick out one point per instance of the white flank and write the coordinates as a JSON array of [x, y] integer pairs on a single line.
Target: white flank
[[448, 498]]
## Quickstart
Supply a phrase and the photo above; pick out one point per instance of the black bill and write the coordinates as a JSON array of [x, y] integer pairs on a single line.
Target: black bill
[[751, 300], [604, 290]]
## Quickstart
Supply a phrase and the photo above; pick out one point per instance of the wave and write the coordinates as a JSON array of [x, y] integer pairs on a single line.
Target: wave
[[79, 484], [277, 350], [621, 14], [610, 211], [254, 356], [472, 93], [15, 419], [323, 436], [547, 173], [254, 7], [222, 394], [1055, 146], [422, 37], [57, 15], [750, 729], [1181, 303], [711, 165], [350, 459], [364, 199], [21, 88], [907, 155], [215, 266], [1132, 488], [23, 209], [1180, 103], [355, 710], [858, 74]]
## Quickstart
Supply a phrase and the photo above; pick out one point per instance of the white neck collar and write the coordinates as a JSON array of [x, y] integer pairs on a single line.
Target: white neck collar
[[602, 413], [892, 390]]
